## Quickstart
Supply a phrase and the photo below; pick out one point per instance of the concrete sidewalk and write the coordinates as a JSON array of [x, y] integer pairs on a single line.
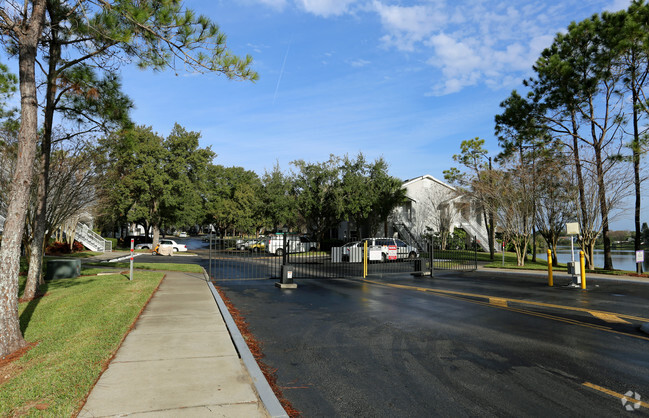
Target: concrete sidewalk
[[179, 360]]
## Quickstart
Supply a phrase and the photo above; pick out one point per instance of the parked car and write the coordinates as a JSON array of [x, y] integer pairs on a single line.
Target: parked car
[[347, 248], [403, 250], [257, 246], [182, 235], [243, 244], [149, 246], [274, 244]]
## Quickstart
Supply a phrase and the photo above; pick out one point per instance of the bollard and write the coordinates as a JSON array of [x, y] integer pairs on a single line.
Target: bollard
[[130, 277], [550, 280], [582, 262], [365, 255]]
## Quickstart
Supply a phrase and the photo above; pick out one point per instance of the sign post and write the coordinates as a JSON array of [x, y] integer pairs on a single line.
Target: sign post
[[572, 229], [639, 260], [131, 275]]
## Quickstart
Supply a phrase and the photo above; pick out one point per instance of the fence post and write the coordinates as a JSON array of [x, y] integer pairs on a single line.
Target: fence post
[[432, 257], [285, 241]]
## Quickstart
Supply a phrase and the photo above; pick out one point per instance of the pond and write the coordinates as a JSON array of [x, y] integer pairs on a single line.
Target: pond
[[622, 259]]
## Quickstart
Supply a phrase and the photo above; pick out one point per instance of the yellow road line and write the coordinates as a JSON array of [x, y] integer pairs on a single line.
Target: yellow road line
[[608, 317], [518, 301], [460, 296], [498, 302], [615, 394]]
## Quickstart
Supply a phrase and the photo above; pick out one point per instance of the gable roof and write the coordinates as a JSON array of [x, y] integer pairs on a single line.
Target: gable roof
[[428, 177]]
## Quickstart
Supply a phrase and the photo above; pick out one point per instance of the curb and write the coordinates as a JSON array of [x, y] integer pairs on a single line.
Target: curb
[[266, 394]]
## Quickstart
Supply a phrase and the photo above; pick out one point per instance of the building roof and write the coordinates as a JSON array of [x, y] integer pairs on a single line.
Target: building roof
[[406, 183]]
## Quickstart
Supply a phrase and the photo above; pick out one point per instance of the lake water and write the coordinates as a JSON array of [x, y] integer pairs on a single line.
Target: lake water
[[622, 259]]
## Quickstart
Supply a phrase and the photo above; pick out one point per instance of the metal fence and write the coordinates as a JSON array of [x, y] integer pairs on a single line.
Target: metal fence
[[228, 261], [454, 259]]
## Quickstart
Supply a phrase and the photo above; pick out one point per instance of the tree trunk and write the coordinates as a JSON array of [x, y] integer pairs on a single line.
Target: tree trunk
[[601, 194], [156, 234], [635, 148], [580, 184], [11, 338], [34, 275]]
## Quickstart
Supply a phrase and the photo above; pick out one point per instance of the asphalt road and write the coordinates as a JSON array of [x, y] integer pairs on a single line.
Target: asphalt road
[[453, 345], [352, 348]]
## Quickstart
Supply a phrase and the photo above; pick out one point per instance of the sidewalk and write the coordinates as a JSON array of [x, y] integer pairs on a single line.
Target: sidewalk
[[178, 360]]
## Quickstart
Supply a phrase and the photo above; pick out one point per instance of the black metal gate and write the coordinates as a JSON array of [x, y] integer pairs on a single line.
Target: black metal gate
[[455, 259], [231, 261]]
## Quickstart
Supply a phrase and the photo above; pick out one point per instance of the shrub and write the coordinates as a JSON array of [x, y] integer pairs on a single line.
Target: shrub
[[57, 248]]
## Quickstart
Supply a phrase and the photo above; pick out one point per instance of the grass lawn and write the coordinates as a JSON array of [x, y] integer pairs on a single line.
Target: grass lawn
[[185, 268], [75, 328], [540, 264]]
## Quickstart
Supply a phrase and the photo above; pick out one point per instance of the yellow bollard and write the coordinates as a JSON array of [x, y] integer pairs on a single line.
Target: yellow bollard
[[550, 280], [365, 259], [582, 262]]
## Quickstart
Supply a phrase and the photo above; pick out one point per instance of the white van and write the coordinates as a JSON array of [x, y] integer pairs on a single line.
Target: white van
[[274, 244]]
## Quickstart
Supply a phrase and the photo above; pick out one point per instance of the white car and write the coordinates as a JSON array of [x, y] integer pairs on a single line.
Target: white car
[[182, 235], [347, 247], [177, 247]]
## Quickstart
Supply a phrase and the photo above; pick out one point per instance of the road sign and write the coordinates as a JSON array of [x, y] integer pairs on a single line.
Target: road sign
[[572, 228], [392, 252], [639, 256]]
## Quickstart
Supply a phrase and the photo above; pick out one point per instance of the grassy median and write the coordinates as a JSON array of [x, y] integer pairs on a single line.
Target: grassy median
[[74, 329]]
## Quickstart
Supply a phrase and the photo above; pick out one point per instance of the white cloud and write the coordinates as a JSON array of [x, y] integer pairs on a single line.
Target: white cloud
[[490, 42], [325, 8], [359, 63], [408, 25]]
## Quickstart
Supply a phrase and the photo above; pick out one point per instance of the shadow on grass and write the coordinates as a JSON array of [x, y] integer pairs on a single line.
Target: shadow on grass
[[29, 310]]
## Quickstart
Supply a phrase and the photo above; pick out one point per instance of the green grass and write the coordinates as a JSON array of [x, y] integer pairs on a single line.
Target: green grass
[[82, 254], [541, 264], [185, 268], [77, 327], [88, 271]]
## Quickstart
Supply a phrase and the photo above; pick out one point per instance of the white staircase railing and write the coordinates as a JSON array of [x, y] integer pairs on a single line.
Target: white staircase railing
[[481, 236], [92, 240]]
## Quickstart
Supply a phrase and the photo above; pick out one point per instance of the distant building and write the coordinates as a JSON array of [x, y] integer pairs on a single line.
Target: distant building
[[436, 207]]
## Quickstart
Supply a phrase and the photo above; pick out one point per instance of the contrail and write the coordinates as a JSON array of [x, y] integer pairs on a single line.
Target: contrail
[[281, 72]]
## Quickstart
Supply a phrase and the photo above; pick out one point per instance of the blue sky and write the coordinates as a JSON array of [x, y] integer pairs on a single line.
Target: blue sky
[[406, 80]]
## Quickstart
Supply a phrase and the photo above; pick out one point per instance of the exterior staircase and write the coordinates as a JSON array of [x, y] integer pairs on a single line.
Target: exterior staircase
[[409, 237], [481, 236], [92, 240]]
